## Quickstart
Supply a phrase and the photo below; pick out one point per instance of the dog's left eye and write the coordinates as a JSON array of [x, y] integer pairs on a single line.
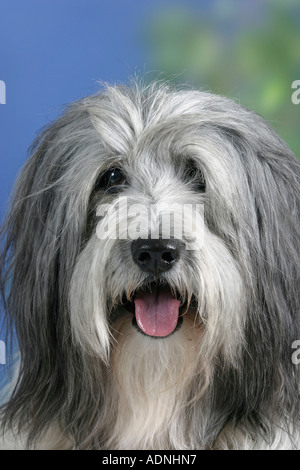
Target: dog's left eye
[[111, 180], [196, 177]]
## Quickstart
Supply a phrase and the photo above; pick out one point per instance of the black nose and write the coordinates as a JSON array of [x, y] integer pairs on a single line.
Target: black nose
[[156, 256]]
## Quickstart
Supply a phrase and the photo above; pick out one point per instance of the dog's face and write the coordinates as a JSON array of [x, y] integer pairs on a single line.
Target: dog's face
[[161, 225], [160, 236]]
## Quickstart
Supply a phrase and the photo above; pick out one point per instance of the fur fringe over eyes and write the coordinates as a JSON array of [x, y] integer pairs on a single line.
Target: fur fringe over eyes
[[88, 378]]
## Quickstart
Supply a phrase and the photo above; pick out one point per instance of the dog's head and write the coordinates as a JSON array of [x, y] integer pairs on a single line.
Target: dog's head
[[171, 211]]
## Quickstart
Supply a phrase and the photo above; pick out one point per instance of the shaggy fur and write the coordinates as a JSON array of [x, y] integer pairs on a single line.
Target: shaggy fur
[[88, 378]]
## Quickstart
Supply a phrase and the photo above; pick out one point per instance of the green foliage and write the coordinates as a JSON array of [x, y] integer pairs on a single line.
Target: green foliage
[[248, 50]]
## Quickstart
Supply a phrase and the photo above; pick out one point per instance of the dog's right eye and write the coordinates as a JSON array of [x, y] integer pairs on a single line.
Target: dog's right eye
[[112, 180]]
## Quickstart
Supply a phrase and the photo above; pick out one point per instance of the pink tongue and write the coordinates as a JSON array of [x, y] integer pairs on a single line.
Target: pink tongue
[[156, 312]]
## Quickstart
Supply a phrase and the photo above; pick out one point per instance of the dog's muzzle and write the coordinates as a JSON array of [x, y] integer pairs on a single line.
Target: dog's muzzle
[[156, 308]]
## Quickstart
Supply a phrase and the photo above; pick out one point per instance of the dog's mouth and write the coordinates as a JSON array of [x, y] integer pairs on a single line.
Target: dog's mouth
[[157, 310]]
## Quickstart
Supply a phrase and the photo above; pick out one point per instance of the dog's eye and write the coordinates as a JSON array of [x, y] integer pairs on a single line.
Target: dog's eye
[[196, 177], [112, 180]]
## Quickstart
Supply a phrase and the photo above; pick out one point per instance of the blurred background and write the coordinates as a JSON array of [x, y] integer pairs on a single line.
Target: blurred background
[[55, 51], [247, 50]]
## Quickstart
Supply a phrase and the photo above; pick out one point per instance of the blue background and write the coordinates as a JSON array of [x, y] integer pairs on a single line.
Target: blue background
[[53, 52]]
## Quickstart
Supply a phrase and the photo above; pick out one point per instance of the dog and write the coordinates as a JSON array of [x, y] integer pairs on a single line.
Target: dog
[[153, 254]]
